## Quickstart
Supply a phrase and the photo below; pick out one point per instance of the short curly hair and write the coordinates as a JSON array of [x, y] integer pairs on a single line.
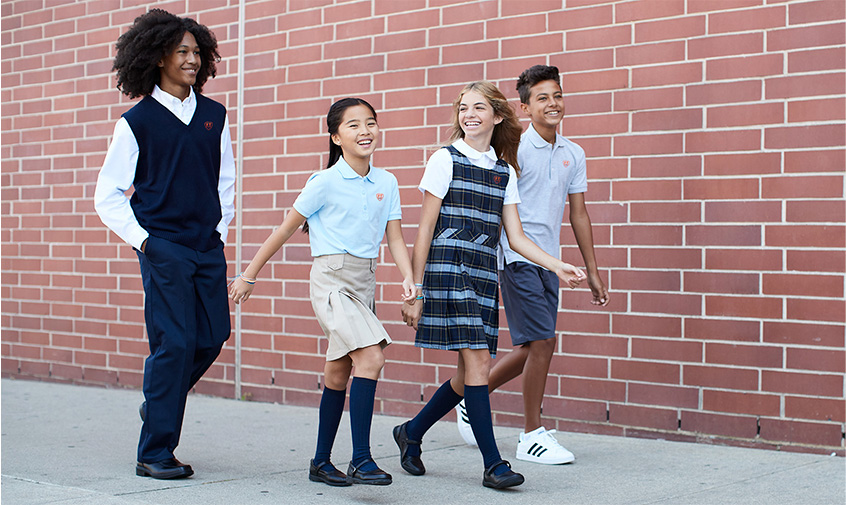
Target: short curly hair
[[534, 75], [151, 37]]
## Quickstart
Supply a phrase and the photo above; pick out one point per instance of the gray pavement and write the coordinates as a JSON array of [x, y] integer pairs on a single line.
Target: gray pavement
[[74, 445]]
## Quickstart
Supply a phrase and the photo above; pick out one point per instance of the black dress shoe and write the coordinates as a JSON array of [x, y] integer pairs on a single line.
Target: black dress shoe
[[326, 473], [142, 411], [376, 477], [411, 464], [164, 469], [507, 479]]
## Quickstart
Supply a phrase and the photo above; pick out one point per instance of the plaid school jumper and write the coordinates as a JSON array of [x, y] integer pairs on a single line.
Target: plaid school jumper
[[461, 294]]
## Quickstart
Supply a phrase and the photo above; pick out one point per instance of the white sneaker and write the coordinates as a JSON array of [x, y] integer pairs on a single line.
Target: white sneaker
[[464, 428], [540, 446]]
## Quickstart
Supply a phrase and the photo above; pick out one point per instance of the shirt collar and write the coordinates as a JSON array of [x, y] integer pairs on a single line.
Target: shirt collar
[[347, 171], [170, 101], [538, 141], [474, 155]]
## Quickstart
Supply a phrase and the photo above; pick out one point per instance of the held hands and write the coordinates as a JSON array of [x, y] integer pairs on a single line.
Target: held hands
[[409, 292], [240, 290], [411, 310], [571, 275]]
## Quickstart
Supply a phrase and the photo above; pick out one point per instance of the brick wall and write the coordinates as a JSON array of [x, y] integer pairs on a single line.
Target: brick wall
[[715, 136]]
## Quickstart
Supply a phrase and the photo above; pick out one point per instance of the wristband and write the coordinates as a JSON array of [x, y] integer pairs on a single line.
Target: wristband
[[247, 279]]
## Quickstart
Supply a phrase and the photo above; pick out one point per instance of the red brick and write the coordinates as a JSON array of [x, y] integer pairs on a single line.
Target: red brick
[[816, 261], [678, 28], [717, 424], [666, 258], [641, 99], [802, 432], [629, 280], [650, 53], [592, 345], [598, 37], [575, 61], [741, 403], [810, 36], [579, 366], [666, 166], [662, 419], [724, 378], [804, 236], [832, 160], [720, 189], [816, 60], [743, 212], [816, 310], [819, 409], [721, 329], [517, 8], [802, 383], [742, 164], [634, 145], [670, 303], [725, 235], [745, 66], [570, 18], [728, 140], [804, 136], [644, 9], [743, 259], [729, 92], [816, 360], [665, 212], [682, 119], [593, 389], [715, 282], [756, 355], [762, 308], [804, 86], [663, 75], [816, 110], [648, 235], [742, 115], [669, 396], [763, 18], [725, 45], [816, 333], [828, 286]]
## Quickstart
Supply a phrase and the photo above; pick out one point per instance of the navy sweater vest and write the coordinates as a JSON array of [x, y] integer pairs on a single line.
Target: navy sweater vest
[[177, 173]]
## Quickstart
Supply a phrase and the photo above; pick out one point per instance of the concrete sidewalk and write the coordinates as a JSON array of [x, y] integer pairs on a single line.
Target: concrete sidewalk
[[75, 445]]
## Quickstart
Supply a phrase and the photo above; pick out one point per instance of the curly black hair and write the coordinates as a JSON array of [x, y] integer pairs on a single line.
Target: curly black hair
[[151, 37], [534, 75]]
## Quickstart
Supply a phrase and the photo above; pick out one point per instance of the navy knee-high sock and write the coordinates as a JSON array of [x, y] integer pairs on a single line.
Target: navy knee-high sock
[[362, 396], [478, 403], [444, 400], [329, 418]]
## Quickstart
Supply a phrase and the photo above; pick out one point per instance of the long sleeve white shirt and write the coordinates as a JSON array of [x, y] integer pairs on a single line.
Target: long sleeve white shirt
[[118, 172]]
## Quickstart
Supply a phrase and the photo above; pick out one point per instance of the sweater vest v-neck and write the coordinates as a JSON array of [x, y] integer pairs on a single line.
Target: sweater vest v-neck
[[176, 177]]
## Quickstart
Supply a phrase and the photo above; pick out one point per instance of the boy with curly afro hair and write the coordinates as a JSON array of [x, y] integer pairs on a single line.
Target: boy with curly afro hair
[[174, 149]]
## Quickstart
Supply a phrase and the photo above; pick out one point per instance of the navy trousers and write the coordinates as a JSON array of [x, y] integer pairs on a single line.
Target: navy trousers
[[186, 309]]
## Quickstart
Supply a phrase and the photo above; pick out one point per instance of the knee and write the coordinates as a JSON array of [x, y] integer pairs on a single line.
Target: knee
[[371, 363], [543, 347]]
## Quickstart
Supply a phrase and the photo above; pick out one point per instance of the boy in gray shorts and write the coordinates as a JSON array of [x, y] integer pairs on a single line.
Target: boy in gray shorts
[[553, 168]]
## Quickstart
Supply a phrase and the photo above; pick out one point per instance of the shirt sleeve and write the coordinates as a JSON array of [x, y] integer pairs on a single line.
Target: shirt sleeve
[[396, 207], [438, 174], [579, 182], [512, 194], [114, 180], [311, 198], [226, 182]]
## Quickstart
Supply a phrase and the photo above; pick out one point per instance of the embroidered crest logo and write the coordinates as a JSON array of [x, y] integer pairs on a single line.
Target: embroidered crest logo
[[497, 179], [208, 125], [566, 163], [379, 196]]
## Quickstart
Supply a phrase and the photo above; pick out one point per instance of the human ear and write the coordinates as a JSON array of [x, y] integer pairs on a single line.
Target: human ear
[[336, 139]]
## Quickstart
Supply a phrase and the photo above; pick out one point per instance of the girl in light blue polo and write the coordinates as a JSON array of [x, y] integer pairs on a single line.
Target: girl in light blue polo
[[347, 208]]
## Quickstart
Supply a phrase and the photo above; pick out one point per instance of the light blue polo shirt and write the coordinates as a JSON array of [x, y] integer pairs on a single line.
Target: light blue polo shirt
[[549, 172], [348, 213]]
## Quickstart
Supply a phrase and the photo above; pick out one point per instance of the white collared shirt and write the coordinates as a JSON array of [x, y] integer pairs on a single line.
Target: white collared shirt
[[438, 173], [120, 163]]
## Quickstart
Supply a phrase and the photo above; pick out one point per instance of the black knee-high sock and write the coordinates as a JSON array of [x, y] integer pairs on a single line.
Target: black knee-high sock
[[478, 403], [329, 418], [444, 400], [362, 396]]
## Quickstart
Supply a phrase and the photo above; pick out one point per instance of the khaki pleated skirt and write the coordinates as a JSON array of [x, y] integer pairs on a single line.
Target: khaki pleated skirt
[[343, 294]]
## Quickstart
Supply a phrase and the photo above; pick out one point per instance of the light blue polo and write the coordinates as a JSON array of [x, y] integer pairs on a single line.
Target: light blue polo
[[348, 213], [549, 172]]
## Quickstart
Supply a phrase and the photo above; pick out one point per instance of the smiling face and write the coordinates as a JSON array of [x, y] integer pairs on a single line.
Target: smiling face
[[357, 134], [477, 120], [546, 105], [178, 70]]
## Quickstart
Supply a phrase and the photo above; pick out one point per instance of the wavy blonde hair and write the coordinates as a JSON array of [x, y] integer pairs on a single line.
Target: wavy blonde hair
[[506, 135]]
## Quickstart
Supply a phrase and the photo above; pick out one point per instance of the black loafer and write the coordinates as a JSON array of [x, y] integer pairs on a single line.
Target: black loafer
[[142, 411], [411, 464], [507, 479], [326, 473], [377, 477], [164, 469]]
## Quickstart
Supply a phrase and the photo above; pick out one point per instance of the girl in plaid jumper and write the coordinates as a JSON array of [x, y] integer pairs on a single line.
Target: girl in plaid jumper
[[470, 193]]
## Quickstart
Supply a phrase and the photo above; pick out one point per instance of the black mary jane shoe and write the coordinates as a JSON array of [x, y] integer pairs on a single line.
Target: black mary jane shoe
[[165, 469], [326, 473], [411, 464], [509, 478], [376, 477]]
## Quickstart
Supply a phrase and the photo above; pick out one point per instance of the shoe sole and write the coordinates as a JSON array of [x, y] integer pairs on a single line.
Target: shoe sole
[[535, 459], [374, 482], [336, 484], [163, 476], [514, 481]]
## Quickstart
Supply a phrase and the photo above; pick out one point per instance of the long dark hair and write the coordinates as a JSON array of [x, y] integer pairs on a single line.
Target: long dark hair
[[333, 122], [151, 37]]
